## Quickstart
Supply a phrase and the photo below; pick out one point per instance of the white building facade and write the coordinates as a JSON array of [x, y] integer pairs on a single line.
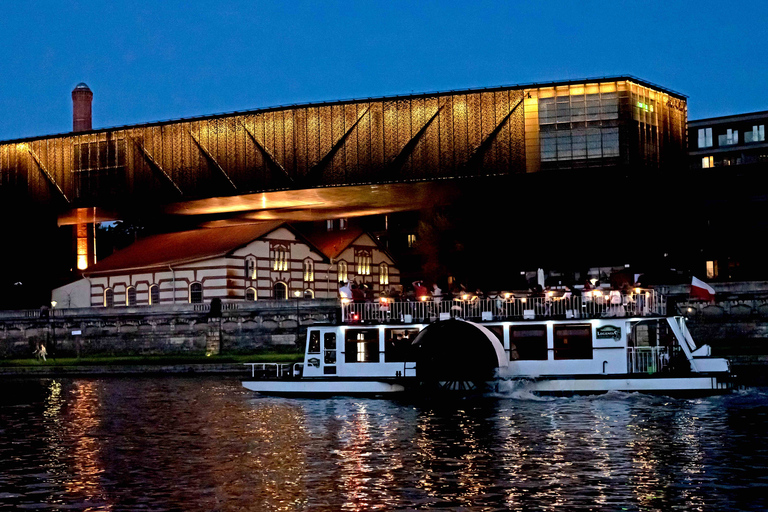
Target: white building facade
[[279, 263]]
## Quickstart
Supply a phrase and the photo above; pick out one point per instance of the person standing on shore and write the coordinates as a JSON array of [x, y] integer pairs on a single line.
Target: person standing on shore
[[41, 352]]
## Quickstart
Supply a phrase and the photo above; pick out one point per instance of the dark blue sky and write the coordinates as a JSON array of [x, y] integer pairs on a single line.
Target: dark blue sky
[[149, 61]]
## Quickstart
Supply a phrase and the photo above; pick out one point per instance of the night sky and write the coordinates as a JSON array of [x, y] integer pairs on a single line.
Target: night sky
[[151, 61]]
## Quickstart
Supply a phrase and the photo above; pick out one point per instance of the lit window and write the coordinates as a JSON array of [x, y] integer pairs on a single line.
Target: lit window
[[342, 271], [130, 296], [729, 138], [309, 271], [711, 269], [363, 264], [109, 298], [756, 135], [411, 239], [705, 137], [279, 259], [82, 246], [342, 224], [329, 225], [383, 274], [154, 294], [250, 294], [309, 294], [250, 267], [196, 293], [707, 162]]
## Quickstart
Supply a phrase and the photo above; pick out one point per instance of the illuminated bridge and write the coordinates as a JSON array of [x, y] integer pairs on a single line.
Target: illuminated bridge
[[342, 158]]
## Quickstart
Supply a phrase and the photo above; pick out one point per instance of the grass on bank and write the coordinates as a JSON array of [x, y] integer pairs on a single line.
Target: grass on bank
[[150, 360]]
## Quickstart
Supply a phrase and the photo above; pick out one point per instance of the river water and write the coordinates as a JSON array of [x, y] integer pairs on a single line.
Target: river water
[[203, 443]]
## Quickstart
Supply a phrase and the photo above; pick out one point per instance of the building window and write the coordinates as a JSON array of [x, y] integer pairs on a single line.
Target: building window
[[756, 135], [342, 271], [383, 274], [109, 298], [363, 263], [411, 239], [130, 296], [250, 294], [309, 294], [280, 291], [707, 162], [329, 225], [705, 137], [729, 138], [711, 269], [309, 271], [196, 293], [154, 295], [279, 259], [250, 267], [343, 224]]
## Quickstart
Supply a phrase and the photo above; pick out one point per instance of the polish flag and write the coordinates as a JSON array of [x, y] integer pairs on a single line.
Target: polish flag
[[701, 290]]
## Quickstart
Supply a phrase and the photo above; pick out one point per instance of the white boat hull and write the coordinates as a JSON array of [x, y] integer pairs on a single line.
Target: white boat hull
[[324, 387], [661, 385]]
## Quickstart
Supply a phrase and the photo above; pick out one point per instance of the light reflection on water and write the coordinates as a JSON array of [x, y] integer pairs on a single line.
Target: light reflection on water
[[206, 444]]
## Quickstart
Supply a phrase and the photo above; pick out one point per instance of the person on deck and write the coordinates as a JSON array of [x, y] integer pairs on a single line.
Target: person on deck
[[344, 291], [420, 290], [437, 293]]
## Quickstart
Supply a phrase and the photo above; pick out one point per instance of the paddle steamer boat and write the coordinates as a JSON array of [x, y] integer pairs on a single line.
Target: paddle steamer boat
[[547, 345]]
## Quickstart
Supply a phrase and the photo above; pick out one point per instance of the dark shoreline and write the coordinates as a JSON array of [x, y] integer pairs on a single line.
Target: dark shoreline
[[99, 370]]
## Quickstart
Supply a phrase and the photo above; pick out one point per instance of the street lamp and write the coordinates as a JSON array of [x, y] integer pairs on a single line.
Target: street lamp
[[53, 329], [297, 294]]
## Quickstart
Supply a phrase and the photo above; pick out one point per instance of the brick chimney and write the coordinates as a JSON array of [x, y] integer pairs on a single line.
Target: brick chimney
[[81, 108]]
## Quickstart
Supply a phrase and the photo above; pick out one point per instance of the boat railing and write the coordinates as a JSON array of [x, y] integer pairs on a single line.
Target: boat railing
[[594, 305], [649, 359], [274, 370]]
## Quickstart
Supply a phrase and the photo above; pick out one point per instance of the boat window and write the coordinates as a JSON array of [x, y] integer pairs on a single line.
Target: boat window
[[529, 342], [329, 345], [361, 346], [651, 333], [314, 342], [398, 343], [573, 341]]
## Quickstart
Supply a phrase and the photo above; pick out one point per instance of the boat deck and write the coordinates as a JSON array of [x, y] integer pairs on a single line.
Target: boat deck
[[594, 304]]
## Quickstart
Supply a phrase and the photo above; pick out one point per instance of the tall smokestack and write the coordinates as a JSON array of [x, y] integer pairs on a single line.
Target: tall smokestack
[[81, 108]]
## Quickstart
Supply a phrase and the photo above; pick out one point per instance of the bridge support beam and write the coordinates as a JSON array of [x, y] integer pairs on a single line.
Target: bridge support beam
[[212, 160], [45, 172], [272, 163]]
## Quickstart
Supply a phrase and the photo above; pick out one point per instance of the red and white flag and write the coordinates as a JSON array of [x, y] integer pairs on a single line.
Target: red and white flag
[[701, 290]]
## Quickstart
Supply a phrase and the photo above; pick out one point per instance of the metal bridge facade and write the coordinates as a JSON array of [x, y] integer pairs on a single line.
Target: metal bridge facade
[[421, 137], [357, 142]]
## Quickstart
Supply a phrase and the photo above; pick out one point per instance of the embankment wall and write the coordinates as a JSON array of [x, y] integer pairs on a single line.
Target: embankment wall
[[172, 329]]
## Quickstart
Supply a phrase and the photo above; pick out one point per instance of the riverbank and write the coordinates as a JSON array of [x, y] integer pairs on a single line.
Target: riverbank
[[140, 365]]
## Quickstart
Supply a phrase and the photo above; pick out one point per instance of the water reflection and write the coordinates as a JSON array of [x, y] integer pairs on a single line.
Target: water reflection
[[206, 444]]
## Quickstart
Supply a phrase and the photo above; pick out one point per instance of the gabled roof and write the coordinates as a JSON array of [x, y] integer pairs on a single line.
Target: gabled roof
[[333, 243], [182, 247], [170, 249]]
